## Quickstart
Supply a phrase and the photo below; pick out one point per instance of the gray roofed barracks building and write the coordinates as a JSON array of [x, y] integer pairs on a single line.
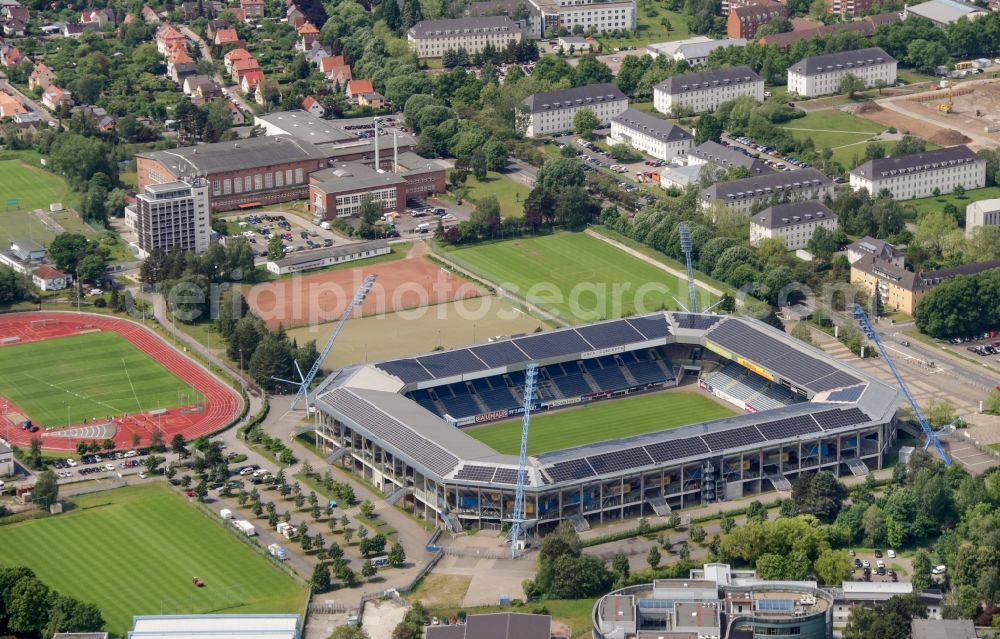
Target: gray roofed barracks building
[[776, 188], [710, 152], [432, 38], [793, 224], [919, 174], [706, 90], [553, 111], [821, 74], [651, 135]]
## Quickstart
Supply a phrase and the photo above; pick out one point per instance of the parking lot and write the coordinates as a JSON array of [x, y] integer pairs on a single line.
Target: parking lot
[[96, 465], [878, 566], [984, 345], [259, 228], [768, 155]]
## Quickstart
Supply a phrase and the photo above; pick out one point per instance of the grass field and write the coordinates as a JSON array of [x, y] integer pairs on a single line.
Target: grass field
[[832, 129], [602, 421], [22, 179], [650, 27], [575, 276], [927, 204], [67, 379], [509, 194], [134, 550]]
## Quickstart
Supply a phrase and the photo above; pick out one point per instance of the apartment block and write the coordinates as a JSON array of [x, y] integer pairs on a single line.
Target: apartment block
[[650, 135], [920, 174], [432, 38], [553, 111], [821, 75], [171, 217], [706, 90]]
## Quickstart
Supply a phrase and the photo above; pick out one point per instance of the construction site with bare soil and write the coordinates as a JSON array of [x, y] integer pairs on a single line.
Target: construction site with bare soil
[[946, 115]]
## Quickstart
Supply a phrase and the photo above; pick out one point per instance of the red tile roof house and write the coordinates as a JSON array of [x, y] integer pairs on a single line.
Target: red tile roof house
[[313, 106], [234, 56], [250, 81], [242, 67], [49, 279], [226, 36], [167, 38], [253, 8], [42, 76], [307, 35], [54, 97]]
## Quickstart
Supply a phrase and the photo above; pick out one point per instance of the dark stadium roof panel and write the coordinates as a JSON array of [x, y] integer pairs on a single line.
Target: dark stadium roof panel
[[696, 322], [610, 334], [472, 472], [851, 394], [840, 418], [677, 449], [502, 353], [734, 438], [651, 326], [505, 476], [450, 363], [570, 470], [407, 370], [788, 427], [553, 344], [620, 460]]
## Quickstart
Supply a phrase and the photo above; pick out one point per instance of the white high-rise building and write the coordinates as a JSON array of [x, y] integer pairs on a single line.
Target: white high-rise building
[[171, 217]]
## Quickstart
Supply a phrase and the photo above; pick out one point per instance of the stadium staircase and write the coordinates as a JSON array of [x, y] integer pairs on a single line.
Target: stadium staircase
[[780, 481], [580, 523], [453, 522], [659, 505], [398, 494], [857, 467], [335, 455]]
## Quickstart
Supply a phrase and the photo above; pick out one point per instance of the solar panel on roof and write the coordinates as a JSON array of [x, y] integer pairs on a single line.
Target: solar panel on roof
[[450, 363], [407, 370], [840, 418], [609, 334], [620, 460], [651, 326], [505, 476], [677, 449], [835, 379], [775, 605], [735, 438], [503, 353], [696, 322], [788, 427], [553, 344], [851, 394], [475, 473], [570, 470]]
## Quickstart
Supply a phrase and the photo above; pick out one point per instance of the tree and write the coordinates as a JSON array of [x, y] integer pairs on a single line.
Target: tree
[[177, 446], [412, 14], [67, 250], [922, 566], [46, 490], [27, 606], [320, 581], [802, 332], [926, 56], [584, 123], [92, 269], [653, 558], [397, 556], [275, 248], [620, 565], [708, 128], [560, 173], [368, 569], [272, 358], [389, 12], [756, 511], [696, 533], [940, 413], [347, 632], [820, 494], [832, 567], [367, 509], [850, 84], [727, 523]]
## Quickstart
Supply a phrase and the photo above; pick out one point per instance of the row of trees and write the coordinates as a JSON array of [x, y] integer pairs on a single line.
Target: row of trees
[[30, 608], [961, 306]]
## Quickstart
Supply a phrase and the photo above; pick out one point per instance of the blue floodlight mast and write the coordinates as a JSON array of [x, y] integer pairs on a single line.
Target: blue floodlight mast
[[307, 379], [932, 438], [685, 231], [522, 465]]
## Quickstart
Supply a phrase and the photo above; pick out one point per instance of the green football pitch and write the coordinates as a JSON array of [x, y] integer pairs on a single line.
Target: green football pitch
[[64, 380], [134, 550], [575, 276], [602, 421]]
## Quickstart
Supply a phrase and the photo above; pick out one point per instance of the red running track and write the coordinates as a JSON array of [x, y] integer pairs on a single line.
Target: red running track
[[222, 404]]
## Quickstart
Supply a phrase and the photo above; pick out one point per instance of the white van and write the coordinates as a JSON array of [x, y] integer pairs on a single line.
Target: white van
[[225, 513], [277, 551]]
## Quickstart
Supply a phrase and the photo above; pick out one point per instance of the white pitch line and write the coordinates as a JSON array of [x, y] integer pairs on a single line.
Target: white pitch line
[[134, 394]]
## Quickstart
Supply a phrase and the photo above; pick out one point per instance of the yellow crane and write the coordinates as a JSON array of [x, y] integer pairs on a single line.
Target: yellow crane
[[946, 107]]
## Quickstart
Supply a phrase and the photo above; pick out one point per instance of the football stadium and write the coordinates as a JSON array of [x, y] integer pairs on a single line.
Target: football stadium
[[415, 427]]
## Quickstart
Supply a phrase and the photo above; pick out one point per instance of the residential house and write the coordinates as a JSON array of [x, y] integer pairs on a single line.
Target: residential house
[[180, 65], [206, 92], [226, 36], [254, 8], [47, 278], [239, 15], [149, 16], [192, 82], [372, 99], [73, 30], [294, 16], [307, 35], [233, 56], [214, 26], [316, 53], [10, 55], [10, 106], [313, 106], [356, 87], [42, 77], [99, 18], [870, 247], [54, 97], [243, 67], [743, 22], [259, 93], [250, 80], [190, 10], [128, 19], [13, 27], [235, 114], [167, 38], [335, 69], [97, 116]]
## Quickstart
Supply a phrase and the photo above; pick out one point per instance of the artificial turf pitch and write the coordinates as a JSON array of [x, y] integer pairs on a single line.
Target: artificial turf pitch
[[67, 379], [134, 550], [591, 423], [576, 276]]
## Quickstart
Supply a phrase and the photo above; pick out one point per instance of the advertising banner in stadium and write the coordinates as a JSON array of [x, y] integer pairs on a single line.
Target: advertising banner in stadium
[[556, 403], [726, 397], [755, 368], [718, 350], [601, 352]]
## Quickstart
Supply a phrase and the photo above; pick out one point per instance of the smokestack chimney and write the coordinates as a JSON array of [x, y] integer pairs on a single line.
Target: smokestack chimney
[[395, 153], [375, 125]]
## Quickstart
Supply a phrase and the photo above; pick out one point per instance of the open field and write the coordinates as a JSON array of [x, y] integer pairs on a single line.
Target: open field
[[322, 297], [574, 276], [602, 421], [134, 550], [830, 129], [65, 380], [35, 188], [928, 204], [509, 194], [412, 332]]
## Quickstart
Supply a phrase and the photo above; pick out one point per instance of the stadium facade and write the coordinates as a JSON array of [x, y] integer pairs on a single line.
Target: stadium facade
[[400, 423]]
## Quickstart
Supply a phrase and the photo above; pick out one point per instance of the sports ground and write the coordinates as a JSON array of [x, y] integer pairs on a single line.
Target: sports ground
[[602, 421], [134, 551], [87, 376], [59, 369], [574, 276], [33, 187]]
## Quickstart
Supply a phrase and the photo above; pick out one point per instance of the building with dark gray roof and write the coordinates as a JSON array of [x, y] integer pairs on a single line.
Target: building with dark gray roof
[[774, 188], [797, 410], [724, 157], [793, 224], [921, 174], [706, 90], [650, 134], [822, 74], [552, 111], [433, 38]]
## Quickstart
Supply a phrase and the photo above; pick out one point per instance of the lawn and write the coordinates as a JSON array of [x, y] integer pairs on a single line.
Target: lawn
[[574, 276], [602, 421], [833, 128], [33, 187], [650, 27], [927, 204], [67, 379], [509, 194], [133, 551]]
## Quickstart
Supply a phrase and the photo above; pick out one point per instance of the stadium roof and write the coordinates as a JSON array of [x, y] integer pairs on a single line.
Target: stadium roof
[[842, 61], [370, 398], [884, 168], [708, 79], [234, 156], [575, 97], [265, 626], [784, 215], [651, 125]]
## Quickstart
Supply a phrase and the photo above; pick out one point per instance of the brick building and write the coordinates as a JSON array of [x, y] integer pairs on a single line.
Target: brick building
[[251, 172], [743, 22]]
